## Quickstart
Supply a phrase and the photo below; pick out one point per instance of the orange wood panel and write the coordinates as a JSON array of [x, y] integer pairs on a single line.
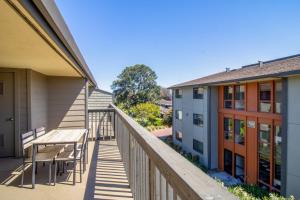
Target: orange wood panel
[[251, 158], [252, 97]]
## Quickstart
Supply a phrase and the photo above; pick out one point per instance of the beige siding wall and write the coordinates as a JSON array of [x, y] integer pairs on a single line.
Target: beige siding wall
[[39, 99], [99, 99], [66, 102]]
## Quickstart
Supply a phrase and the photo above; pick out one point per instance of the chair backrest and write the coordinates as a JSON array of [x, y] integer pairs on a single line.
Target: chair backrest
[[40, 131], [26, 139], [84, 142]]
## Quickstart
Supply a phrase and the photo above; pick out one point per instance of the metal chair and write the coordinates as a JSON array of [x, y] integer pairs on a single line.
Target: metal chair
[[26, 142], [68, 156]]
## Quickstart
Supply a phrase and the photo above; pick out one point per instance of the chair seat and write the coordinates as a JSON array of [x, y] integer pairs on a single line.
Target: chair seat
[[52, 148], [70, 147], [68, 156], [42, 157]]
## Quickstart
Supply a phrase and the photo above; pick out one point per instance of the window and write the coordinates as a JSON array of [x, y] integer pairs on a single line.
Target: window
[[228, 161], [239, 167], [228, 96], [178, 93], [239, 131], [198, 93], [277, 158], [198, 119], [228, 128], [239, 97], [198, 146], [265, 97], [264, 153], [278, 96], [178, 114], [178, 136]]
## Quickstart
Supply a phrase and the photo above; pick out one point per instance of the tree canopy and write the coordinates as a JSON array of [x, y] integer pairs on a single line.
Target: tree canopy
[[136, 84]]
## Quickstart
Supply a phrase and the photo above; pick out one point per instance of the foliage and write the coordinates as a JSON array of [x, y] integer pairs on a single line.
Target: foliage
[[168, 118], [253, 192], [136, 84], [146, 114]]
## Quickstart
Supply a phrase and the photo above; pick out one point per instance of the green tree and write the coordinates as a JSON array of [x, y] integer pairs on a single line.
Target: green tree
[[146, 114], [136, 84]]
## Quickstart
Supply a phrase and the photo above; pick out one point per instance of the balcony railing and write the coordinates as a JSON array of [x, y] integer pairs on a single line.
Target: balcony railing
[[154, 170]]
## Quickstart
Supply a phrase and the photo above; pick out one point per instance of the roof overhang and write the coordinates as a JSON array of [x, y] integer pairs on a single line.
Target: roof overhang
[[29, 41]]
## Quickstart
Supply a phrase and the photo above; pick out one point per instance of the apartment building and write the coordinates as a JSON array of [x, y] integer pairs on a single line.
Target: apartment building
[[192, 122], [257, 108]]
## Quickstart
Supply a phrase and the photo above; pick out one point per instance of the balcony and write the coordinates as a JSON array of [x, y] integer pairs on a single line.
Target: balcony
[[127, 162]]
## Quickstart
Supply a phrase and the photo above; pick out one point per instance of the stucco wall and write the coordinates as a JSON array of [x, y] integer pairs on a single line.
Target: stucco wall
[[188, 105], [293, 137]]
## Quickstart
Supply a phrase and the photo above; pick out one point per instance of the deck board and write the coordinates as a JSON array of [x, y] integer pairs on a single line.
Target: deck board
[[105, 178]]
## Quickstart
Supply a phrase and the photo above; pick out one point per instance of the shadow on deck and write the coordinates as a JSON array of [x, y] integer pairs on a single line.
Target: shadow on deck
[[107, 178], [104, 179]]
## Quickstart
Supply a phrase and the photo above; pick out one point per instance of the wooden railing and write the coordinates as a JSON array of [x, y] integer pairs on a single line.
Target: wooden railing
[[157, 172], [101, 123]]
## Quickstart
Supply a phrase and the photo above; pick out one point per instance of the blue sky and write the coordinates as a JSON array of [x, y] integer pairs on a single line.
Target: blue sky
[[180, 39]]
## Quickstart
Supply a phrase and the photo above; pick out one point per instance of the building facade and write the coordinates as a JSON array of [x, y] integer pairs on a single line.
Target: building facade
[[257, 117], [191, 123]]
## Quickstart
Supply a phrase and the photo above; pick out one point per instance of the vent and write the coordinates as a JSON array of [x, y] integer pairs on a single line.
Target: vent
[[1, 140], [261, 63], [227, 69]]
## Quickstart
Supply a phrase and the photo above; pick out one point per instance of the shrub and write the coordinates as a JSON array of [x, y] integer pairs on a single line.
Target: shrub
[[195, 159], [146, 114], [189, 156], [167, 118], [253, 192]]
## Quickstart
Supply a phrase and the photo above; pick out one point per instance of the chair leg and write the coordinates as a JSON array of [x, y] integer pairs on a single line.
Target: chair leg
[[22, 178], [50, 166], [55, 174], [80, 170]]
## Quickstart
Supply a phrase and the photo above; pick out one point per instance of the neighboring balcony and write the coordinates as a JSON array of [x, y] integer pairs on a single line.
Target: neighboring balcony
[[125, 162]]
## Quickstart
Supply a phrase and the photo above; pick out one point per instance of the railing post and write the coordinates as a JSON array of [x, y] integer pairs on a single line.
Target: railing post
[[151, 180]]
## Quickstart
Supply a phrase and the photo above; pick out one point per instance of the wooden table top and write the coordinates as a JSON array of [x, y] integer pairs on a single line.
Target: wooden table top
[[61, 136]]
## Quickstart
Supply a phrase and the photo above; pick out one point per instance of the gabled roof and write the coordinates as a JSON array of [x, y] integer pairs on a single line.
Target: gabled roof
[[273, 68]]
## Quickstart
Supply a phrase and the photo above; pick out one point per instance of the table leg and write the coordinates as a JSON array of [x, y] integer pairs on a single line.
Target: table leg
[[33, 165], [74, 170]]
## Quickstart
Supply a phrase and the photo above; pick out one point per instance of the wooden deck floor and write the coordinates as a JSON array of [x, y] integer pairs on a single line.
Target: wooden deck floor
[[105, 178]]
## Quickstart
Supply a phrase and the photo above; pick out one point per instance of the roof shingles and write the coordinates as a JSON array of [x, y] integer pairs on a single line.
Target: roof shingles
[[276, 68]]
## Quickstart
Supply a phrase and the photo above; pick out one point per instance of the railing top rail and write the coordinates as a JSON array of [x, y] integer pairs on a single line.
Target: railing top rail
[[101, 110], [188, 180]]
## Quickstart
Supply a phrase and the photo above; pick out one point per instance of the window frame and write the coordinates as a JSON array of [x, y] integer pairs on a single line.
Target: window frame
[[177, 134], [230, 131], [177, 93], [198, 95], [271, 101], [235, 100], [228, 100], [245, 130], [275, 96], [201, 119], [177, 114], [201, 147]]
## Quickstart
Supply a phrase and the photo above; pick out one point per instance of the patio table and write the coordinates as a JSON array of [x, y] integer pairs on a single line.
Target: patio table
[[57, 136]]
